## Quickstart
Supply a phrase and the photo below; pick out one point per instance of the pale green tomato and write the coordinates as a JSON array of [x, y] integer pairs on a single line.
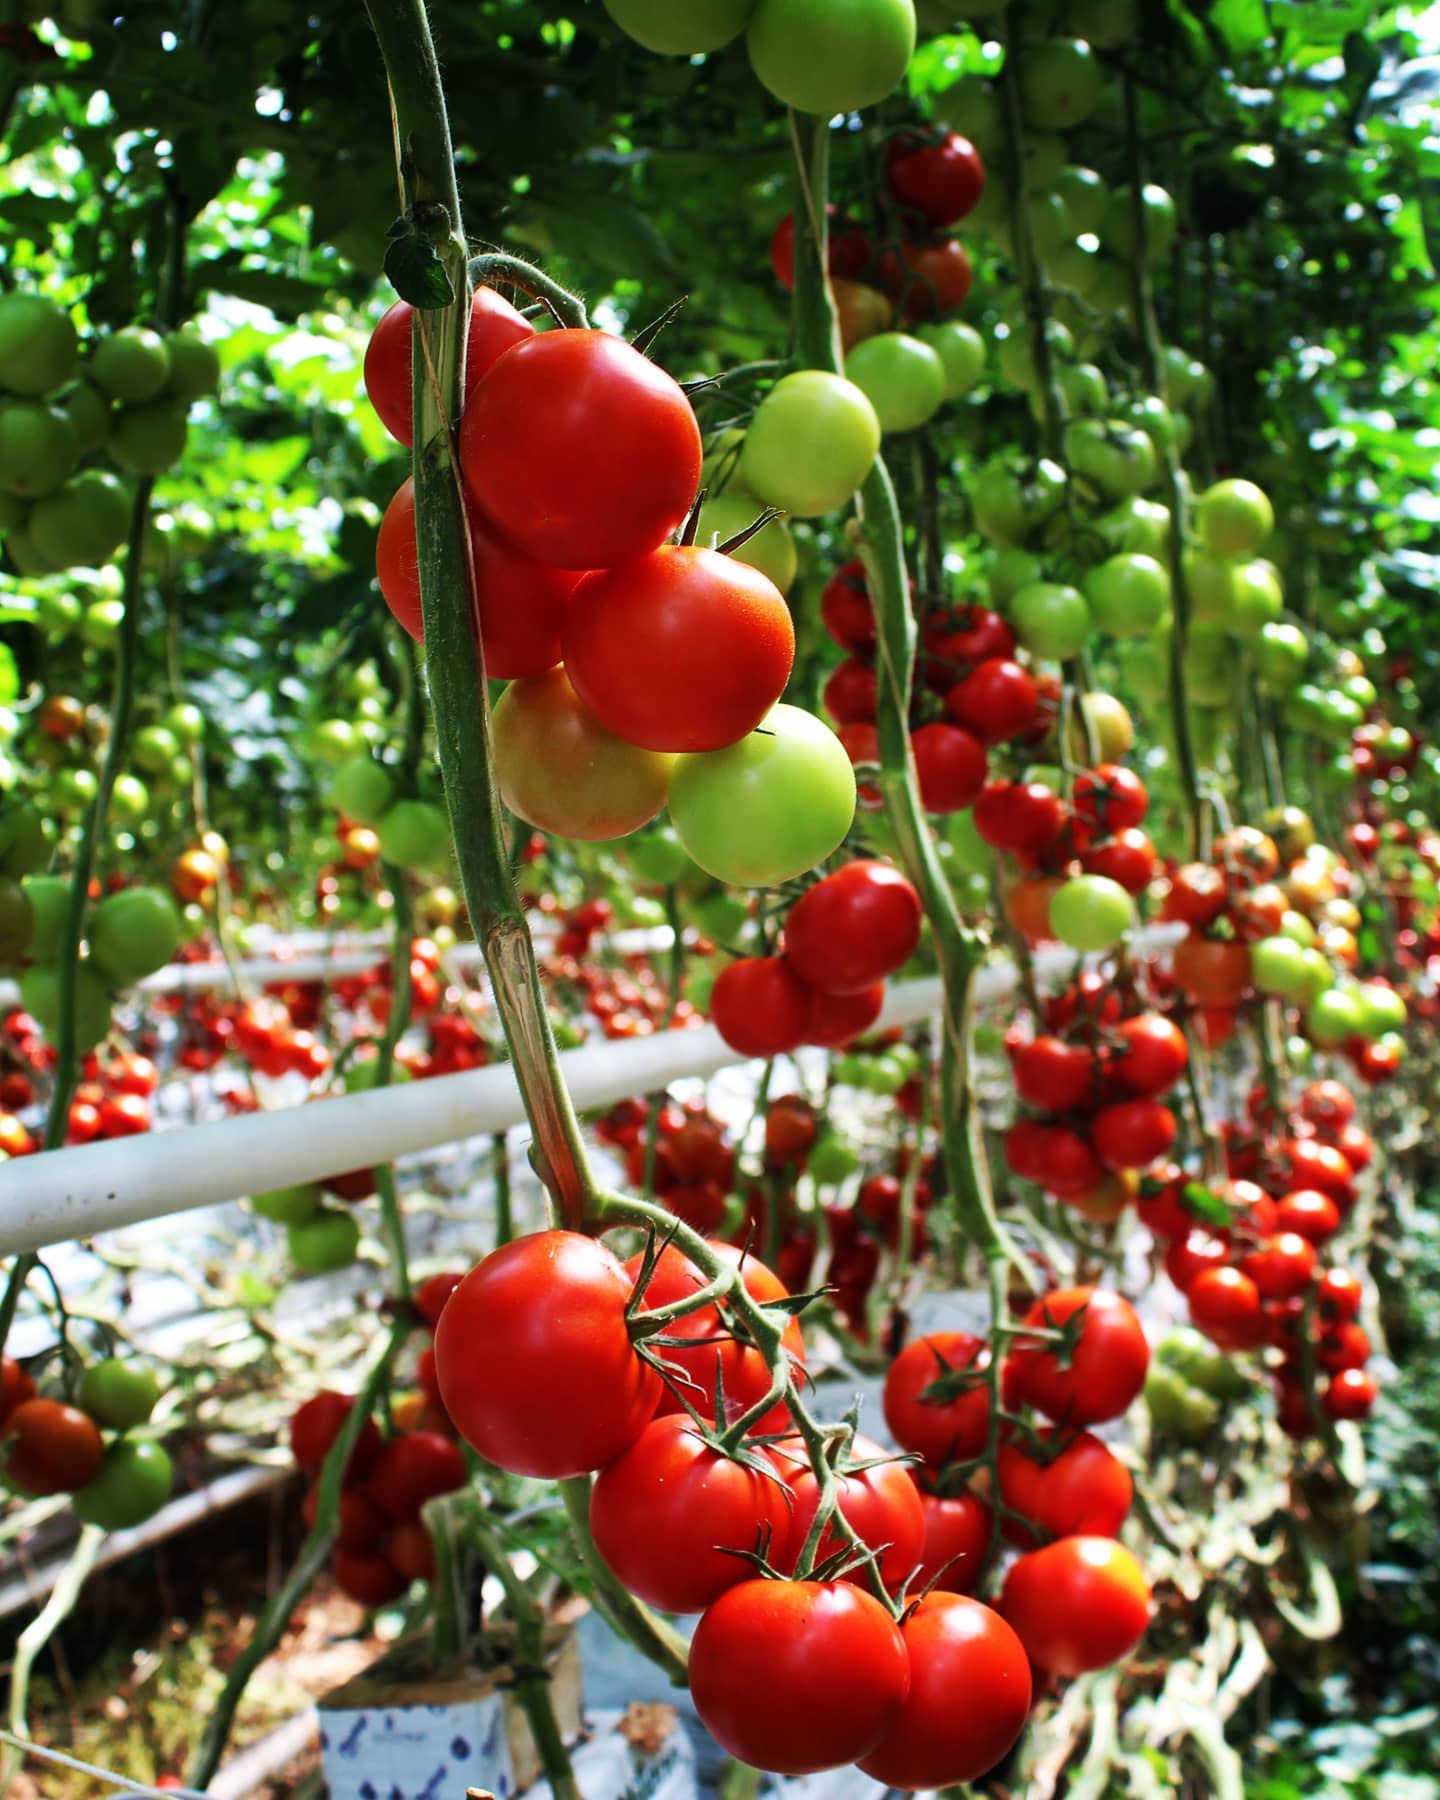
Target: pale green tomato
[[811, 444], [1234, 518], [1128, 595], [961, 350], [1382, 1008], [771, 551], [969, 851], [1016, 355], [688, 30], [1136, 525], [1059, 84], [1012, 497], [361, 790], [1209, 586], [1051, 620], [1298, 928], [1085, 195], [902, 377], [415, 835], [1257, 597], [1091, 912], [831, 56], [1011, 571], [1117, 228], [1278, 966]]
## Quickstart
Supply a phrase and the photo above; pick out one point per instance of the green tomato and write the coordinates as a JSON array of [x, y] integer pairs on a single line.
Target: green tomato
[[1117, 458], [882, 1075], [134, 1482], [1280, 652], [40, 996], [415, 835], [119, 1393], [1084, 389], [849, 1069], [74, 790], [1382, 1010], [1361, 690], [154, 749], [194, 366], [691, 30], [1051, 620], [1278, 966], [719, 916], [813, 440], [643, 911], [832, 1160], [972, 104], [1074, 267], [769, 807], [1012, 497], [1234, 518], [1091, 912], [129, 800], [831, 56], [17, 921], [361, 790], [362, 1076], [1335, 1016], [1257, 597], [38, 448], [657, 856], [333, 741], [39, 348], [24, 842], [1137, 527], [1046, 155], [1015, 352], [906, 1057], [1128, 595], [133, 933], [903, 379], [83, 524], [49, 898], [1085, 195], [100, 623], [1059, 83], [1011, 571], [1298, 929], [131, 365], [961, 350], [147, 440], [1205, 1367], [771, 550], [1117, 228], [323, 1243], [1177, 1407], [970, 853], [289, 1205]]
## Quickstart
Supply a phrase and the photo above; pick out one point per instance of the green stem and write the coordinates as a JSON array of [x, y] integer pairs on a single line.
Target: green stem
[[38, 1633], [500, 1174], [630, 1617], [454, 655], [401, 991], [1153, 367]]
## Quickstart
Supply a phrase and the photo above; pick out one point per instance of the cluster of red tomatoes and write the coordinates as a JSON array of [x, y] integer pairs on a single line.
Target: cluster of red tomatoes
[[1248, 1258], [843, 937], [113, 1098], [933, 178], [626, 995], [381, 1542], [970, 674], [1094, 1078], [692, 1167], [59, 1446]]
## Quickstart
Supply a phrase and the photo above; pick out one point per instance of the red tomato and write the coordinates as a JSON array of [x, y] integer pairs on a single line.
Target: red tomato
[[973, 635], [432, 1293], [1053, 1156], [957, 1541], [880, 1503], [415, 1467], [1340, 1294], [939, 176], [927, 281], [848, 249], [51, 1448], [956, 1647], [369, 1580], [1084, 1491], [1282, 1267], [1197, 896], [1129, 858], [15, 1387], [1161, 1205], [761, 1007], [314, 1427], [124, 1115], [951, 765], [1152, 1054], [940, 1429], [1054, 1075], [1247, 855], [1132, 1134], [838, 1019], [581, 450], [1080, 1604], [410, 1550], [997, 700], [1106, 1366], [791, 1128], [846, 609], [1314, 1216], [1225, 1305], [1110, 797], [1321, 1167], [521, 601], [682, 650], [535, 1361], [1021, 816], [695, 1364], [1350, 1394], [1340, 1347], [798, 1676], [494, 327], [1214, 971], [1329, 1104], [853, 928], [668, 1512], [849, 694], [1027, 906], [359, 1522]]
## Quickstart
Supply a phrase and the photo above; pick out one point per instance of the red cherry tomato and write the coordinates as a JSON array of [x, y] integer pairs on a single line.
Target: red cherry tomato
[[940, 1429], [1083, 1491], [1080, 1604], [1105, 1368], [880, 1503], [940, 178], [853, 928], [761, 1007], [494, 327]]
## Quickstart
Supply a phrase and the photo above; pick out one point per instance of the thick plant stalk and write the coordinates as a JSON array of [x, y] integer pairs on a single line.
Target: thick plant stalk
[[38, 1633], [454, 655], [958, 950], [625, 1614]]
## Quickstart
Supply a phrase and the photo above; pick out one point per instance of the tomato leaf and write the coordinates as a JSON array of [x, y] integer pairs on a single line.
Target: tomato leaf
[[416, 272], [1204, 1203]]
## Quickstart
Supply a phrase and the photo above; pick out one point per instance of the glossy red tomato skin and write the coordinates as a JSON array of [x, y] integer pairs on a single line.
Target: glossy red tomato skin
[[415, 1467], [534, 1357], [846, 609], [1340, 1295], [314, 1427], [956, 1543], [798, 1676], [1085, 1491], [16, 1387], [50, 1448], [369, 1580], [1213, 971], [951, 764], [1189, 1256], [838, 1019], [997, 700], [683, 650], [849, 249], [971, 636], [1225, 1305], [761, 1006], [410, 1551], [494, 326], [669, 1510], [1356, 1146], [849, 694], [1152, 1056], [1322, 1167], [1106, 1370], [359, 1524], [1021, 816], [1312, 1215], [956, 1647], [880, 1503], [432, 1293], [928, 281], [1132, 1134], [853, 928], [580, 450], [1129, 858], [952, 1429], [1054, 1075], [1110, 797], [1350, 1394], [940, 181], [1340, 1347], [1328, 1104], [1282, 1267], [1054, 1156], [521, 602], [1080, 1604], [741, 1367]]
